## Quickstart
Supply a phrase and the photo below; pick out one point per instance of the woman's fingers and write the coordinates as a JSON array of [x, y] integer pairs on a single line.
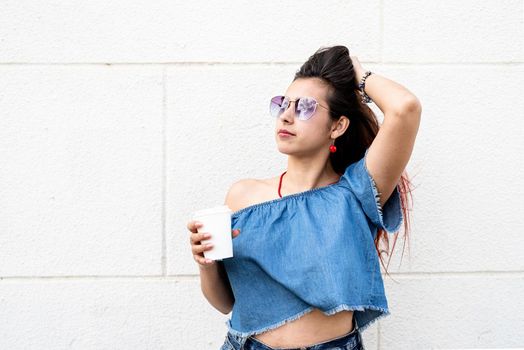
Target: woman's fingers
[[202, 261], [199, 248], [193, 225], [194, 238]]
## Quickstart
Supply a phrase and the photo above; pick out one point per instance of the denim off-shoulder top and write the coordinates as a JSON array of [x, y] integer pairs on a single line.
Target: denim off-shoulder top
[[312, 249]]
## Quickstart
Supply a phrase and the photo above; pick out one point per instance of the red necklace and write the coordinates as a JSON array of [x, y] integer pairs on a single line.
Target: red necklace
[[280, 183]]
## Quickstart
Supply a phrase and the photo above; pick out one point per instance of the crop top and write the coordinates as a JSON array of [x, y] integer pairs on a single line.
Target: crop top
[[312, 249]]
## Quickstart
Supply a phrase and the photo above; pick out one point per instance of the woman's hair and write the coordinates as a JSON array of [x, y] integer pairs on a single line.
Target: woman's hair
[[334, 67]]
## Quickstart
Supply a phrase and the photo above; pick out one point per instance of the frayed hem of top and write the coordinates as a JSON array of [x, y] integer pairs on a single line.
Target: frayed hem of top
[[385, 312], [273, 326]]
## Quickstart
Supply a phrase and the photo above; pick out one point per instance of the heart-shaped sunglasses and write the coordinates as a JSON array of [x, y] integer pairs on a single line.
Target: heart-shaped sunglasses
[[305, 106]]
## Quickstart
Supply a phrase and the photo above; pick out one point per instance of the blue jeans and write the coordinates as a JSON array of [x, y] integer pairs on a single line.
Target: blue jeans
[[349, 341]]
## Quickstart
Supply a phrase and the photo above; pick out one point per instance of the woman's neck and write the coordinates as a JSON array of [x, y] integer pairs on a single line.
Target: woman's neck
[[303, 175]]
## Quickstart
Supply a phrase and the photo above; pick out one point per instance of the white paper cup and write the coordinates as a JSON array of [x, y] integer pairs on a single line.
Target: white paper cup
[[217, 222]]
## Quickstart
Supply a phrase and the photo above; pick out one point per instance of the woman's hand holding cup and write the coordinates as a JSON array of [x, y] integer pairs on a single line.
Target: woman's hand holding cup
[[197, 248]]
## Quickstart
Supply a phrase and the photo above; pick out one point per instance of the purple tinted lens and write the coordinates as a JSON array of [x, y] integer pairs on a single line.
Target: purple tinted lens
[[306, 107], [275, 106]]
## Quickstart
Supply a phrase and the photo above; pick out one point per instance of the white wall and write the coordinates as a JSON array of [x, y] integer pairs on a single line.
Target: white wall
[[117, 119]]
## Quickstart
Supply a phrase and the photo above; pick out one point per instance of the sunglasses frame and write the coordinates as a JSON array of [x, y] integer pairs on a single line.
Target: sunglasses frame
[[296, 101]]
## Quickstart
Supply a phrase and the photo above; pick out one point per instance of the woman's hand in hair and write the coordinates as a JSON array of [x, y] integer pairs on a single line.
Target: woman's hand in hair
[[359, 70]]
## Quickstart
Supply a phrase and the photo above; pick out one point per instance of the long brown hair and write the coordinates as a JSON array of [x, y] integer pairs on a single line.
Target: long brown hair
[[334, 67]]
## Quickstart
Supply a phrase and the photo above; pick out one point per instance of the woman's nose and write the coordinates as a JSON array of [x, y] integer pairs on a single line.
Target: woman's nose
[[289, 112]]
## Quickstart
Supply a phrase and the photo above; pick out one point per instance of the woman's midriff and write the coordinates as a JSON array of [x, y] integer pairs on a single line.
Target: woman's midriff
[[313, 327]]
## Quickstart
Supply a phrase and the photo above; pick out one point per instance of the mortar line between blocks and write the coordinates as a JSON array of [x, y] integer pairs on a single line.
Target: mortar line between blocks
[[266, 63], [163, 260], [381, 33]]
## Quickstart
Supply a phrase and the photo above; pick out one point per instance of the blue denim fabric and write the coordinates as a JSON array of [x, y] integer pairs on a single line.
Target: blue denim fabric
[[349, 341], [312, 249]]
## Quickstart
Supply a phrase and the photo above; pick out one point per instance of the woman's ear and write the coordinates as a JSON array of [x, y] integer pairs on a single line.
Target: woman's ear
[[342, 124]]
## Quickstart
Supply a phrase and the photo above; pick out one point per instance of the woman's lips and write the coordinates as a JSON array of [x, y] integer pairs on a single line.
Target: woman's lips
[[284, 131], [285, 134]]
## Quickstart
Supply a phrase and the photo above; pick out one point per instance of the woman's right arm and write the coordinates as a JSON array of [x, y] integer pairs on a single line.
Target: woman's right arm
[[214, 282], [216, 287]]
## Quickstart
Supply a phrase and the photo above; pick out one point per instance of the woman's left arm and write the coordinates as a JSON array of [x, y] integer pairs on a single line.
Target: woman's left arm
[[391, 149]]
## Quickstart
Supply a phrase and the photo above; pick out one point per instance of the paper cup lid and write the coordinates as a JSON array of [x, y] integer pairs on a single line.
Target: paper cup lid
[[213, 210]]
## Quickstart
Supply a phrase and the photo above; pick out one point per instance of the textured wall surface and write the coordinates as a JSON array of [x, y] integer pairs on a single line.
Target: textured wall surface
[[119, 118]]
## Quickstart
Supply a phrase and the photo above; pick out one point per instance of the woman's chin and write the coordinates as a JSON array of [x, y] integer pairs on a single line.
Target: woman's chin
[[286, 150], [283, 149], [286, 147]]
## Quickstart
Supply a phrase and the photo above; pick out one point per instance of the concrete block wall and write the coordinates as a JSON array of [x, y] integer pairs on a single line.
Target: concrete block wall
[[118, 119]]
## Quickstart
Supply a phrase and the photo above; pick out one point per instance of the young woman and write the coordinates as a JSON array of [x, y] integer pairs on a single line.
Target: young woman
[[305, 272]]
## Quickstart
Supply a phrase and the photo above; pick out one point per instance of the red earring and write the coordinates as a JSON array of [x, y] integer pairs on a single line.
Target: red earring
[[333, 148]]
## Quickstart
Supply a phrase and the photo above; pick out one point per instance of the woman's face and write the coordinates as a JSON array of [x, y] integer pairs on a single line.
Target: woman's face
[[312, 135]]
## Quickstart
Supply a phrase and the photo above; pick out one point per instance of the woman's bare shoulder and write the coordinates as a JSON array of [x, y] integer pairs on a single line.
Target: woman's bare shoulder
[[246, 192]]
